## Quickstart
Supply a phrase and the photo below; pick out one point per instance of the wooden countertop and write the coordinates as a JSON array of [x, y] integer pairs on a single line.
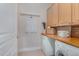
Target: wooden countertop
[[70, 41]]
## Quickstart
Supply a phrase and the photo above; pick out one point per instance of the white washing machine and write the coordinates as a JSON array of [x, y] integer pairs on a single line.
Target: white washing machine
[[59, 49], [63, 49], [48, 46]]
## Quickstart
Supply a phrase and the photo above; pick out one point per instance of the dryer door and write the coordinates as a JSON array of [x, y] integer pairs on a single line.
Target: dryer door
[[61, 53]]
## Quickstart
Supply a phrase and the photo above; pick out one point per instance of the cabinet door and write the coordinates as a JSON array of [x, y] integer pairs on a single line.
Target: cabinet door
[[55, 15], [64, 14], [49, 17], [75, 14]]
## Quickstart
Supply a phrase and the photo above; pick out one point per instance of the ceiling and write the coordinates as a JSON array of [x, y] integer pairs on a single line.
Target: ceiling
[[33, 7]]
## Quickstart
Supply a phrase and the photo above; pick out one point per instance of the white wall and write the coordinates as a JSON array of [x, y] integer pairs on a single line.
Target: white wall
[[24, 41], [8, 29], [8, 16]]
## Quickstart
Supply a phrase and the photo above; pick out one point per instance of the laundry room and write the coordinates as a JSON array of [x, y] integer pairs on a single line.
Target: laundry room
[[39, 29]]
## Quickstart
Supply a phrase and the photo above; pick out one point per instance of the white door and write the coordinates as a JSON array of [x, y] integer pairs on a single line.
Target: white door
[[29, 33]]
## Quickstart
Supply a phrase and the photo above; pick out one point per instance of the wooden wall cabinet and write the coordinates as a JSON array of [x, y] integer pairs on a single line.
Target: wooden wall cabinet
[[55, 15], [75, 14], [64, 14], [52, 15], [49, 17]]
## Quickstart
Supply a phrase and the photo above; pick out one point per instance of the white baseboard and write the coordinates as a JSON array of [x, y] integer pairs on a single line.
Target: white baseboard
[[29, 49]]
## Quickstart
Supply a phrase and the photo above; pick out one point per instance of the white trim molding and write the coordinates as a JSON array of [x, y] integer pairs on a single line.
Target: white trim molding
[[29, 49]]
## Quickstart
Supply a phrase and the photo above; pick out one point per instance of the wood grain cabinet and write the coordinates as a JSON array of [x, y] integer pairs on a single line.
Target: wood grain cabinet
[[49, 17], [75, 14], [53, 15], [64, 14]]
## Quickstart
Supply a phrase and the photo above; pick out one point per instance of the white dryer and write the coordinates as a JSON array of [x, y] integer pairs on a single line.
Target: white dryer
[[63, 49], [59, 49]]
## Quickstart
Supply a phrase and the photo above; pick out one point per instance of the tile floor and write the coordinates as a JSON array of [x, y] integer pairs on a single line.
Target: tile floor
[[31, 53]]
